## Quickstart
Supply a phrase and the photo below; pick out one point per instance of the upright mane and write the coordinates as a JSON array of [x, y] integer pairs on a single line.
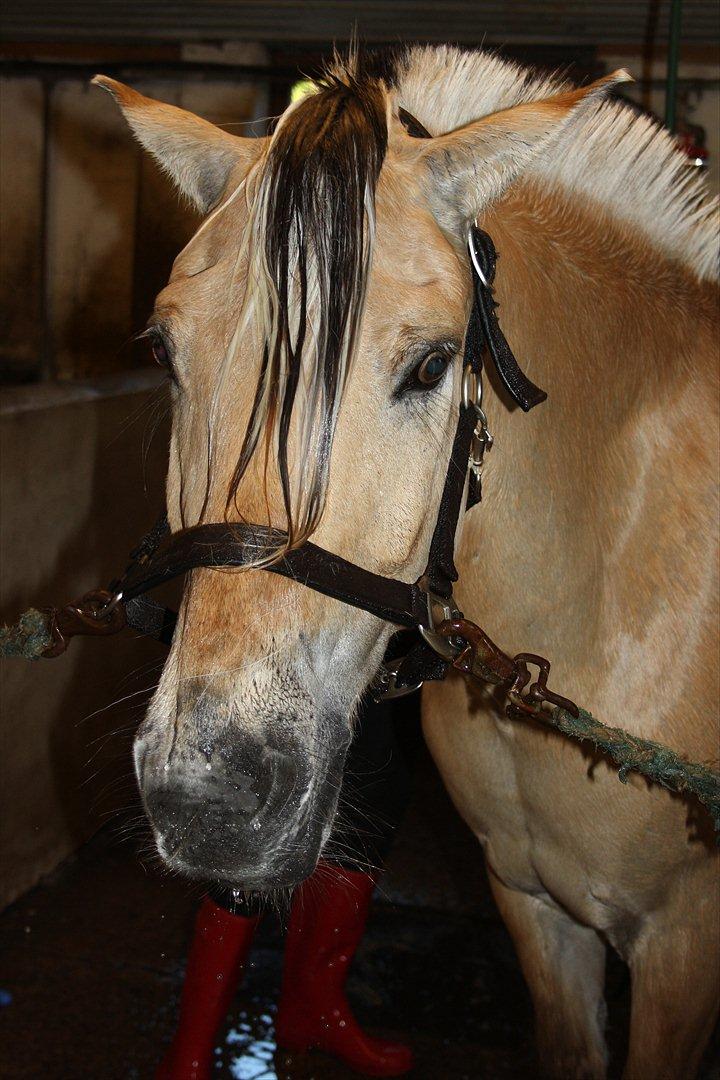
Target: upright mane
[[621, 159], [310, 229]]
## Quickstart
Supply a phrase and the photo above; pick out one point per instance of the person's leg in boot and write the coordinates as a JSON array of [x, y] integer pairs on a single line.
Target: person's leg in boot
[[330, 910], [222, 936]]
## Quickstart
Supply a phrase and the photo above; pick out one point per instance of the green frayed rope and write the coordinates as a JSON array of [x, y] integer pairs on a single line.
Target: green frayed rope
[[655, 761], [28, 638]]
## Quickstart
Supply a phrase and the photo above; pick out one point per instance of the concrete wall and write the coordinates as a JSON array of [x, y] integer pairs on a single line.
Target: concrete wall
[[79, 486]]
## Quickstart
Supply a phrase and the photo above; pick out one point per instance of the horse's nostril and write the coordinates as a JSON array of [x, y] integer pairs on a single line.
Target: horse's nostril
[[243, 793], [248, 811], [214, 803]]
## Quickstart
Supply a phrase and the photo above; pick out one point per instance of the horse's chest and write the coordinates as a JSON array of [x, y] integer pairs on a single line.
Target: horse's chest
[[515, 797], [505, 816]]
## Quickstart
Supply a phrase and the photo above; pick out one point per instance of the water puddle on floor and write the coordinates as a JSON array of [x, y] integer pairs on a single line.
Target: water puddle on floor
[[249, 1049]]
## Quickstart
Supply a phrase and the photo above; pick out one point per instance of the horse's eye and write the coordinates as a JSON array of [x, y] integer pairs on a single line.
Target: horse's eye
[[161, 354], [430, 370]]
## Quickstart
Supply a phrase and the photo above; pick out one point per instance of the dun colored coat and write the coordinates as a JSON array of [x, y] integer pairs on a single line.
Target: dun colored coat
[[335, 249]]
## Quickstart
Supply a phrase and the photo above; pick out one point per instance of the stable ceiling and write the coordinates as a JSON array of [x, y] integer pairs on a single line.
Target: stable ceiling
[[629, 22]]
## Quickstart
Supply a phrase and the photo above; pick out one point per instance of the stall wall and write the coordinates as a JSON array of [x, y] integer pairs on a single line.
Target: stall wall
[[89, 232], [82, 478], [90, 225]]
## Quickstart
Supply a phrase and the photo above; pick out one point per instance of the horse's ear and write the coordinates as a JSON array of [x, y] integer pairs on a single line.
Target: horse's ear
[[470, 167], [198, 156]]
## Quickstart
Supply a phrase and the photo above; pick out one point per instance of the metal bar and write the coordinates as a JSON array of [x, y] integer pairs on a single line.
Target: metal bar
[[171, 69], [46, 367], [325, 20]]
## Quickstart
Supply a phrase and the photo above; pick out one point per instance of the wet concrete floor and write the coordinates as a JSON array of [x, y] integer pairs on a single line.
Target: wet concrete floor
[[94, 962], [92, 967]]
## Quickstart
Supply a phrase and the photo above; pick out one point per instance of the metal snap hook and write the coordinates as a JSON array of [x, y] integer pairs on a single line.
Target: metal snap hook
[[440, 610], [472, 394]]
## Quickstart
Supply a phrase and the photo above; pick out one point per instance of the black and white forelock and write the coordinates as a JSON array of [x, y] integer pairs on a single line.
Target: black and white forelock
[[310, 244]]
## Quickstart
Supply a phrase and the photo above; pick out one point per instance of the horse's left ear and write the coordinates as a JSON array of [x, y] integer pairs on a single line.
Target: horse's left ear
[[470, 167], [197, 155]]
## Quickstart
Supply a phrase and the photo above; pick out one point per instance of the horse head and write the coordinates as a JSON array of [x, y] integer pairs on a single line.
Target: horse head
[[312, 330]]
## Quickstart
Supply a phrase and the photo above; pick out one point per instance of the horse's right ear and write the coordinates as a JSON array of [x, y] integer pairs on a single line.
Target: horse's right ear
[[198, 156]]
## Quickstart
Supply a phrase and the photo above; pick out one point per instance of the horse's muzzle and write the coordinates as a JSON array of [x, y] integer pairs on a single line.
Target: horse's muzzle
[[248, 813]]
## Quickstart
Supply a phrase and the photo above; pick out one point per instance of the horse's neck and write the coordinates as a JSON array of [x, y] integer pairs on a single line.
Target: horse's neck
[[620, 338], [593, 304]]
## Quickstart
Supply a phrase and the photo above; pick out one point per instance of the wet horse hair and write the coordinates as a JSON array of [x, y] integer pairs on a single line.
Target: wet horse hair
[[316, 211]]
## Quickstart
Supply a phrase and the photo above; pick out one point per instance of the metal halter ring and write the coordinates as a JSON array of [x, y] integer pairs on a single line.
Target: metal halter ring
[[474, 260], [104, 612], [472, 388]]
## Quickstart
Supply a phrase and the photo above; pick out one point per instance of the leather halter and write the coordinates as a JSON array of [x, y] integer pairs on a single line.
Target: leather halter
[[425, 605], [444, 638], [421, 605]]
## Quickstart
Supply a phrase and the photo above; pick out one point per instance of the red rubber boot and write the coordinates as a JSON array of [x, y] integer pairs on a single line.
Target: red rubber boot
[[218, 951], [326, 924]]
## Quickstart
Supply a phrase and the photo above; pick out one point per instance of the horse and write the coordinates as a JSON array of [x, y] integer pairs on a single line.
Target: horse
[[312, 330]]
